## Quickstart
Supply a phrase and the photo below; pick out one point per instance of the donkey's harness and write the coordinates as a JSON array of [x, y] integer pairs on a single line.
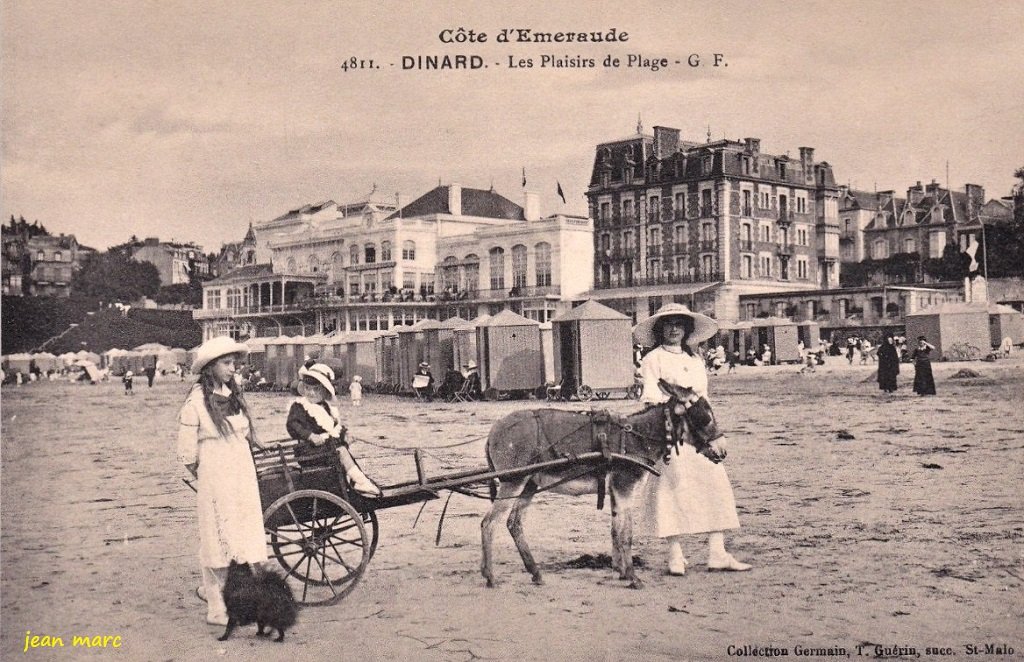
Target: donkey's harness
[[608, 434]]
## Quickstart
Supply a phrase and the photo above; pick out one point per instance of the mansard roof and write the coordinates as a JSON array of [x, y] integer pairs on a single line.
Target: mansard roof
[[475, 202], [861, 200]]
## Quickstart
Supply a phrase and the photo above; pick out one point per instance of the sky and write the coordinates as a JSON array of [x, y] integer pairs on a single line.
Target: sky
[[189, 120]]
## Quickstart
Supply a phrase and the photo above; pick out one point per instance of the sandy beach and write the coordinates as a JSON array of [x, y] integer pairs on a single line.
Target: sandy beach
[[906, 536]]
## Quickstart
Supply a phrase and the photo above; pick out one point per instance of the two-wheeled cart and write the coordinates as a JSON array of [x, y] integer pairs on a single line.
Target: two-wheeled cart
[[323, 533]]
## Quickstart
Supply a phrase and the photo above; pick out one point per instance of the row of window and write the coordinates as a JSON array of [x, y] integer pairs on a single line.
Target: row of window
[[706, 208], [366, 254]]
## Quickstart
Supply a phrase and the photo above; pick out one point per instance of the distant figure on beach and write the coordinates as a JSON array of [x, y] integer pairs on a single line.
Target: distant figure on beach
[[1007, 346], [924, 382], [355, 391], [214, 437], [734, 358], [851, 347], [888, 364], [766, 355], [127, 380], [692, 494], [150, 371]]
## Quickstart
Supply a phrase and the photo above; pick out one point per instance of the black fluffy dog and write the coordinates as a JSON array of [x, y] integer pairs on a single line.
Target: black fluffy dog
[[263, 598]]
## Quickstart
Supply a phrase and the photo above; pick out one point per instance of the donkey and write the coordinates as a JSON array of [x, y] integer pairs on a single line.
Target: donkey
[[530, 437]]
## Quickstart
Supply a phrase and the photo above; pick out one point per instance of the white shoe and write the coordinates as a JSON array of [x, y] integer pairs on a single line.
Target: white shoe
[[363, 485], [728, 563], [201, 592], [676, 560], [217, 619]]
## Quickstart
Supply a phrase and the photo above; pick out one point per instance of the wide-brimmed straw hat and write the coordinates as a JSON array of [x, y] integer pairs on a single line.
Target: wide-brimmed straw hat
[[471, 365], [424, 365], [704, 327], [320, 372], [213, 349]]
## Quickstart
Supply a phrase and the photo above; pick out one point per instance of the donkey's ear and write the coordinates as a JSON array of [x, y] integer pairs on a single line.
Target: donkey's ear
[[665, 387]]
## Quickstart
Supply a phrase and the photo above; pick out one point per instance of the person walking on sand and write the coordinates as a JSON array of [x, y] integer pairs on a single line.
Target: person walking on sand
[[924, 382], [355, 391], [214, 437], [692, 494], [127, 380], [888, 364]]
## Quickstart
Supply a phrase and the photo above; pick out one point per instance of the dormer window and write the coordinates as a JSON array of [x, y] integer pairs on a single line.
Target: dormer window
[[706, 164]]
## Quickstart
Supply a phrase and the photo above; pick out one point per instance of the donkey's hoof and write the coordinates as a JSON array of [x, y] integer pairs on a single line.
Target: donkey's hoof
[[538, 580], [491, 583], [636, 584]]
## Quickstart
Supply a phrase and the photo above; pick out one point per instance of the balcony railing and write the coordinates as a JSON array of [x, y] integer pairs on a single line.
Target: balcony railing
[[785, 217], [746, 244], [785, 249], [670, 279], [708, 245], [240, 311], [707, 211]]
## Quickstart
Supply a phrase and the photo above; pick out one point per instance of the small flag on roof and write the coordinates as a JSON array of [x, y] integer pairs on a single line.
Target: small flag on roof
[[524, 177], [561, 193]]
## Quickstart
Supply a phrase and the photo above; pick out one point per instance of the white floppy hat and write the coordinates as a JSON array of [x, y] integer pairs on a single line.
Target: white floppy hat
[[213, 349], [703, 326], [321, 373]]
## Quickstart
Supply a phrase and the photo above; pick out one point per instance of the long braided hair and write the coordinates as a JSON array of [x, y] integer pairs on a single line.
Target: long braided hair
[[208, 384]]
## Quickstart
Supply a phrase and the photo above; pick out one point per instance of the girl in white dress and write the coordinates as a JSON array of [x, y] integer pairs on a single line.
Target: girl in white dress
[[693, 494], [214, 434]]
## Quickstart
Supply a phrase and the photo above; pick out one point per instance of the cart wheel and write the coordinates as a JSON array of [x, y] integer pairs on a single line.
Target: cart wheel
[[491, 394], [634, 392], [321, 542], [584, 393], [602, 395], [541, 393]]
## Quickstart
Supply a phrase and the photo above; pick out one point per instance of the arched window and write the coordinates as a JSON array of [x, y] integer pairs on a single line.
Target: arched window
[[353, 254], [472, 272], [335, 265], [250, 257], [497, 260], [370, 253], [57, 257], [450, 275], [909, 245], [542, 263], [408, 250], [40, 256], [519, 266], [314, 264], [878, 249], [291, 265], [385, 251]]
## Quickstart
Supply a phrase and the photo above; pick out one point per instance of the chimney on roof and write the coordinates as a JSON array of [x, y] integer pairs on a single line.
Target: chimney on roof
[[753, 145], [806, 156], [933, 187], [975, 198], [152, 241], [531, 205], [455, 199], [666, 141], [915, 193], [885, 197]]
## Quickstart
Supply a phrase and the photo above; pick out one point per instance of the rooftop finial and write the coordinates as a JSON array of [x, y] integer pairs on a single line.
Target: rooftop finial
[[709, 133], [639, 125]]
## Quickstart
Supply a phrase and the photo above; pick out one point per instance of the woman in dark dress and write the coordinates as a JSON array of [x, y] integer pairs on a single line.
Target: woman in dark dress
[[888, 365], [924, 383]]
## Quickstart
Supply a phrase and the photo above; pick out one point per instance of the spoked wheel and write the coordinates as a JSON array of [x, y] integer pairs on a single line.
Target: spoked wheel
[[584, 393], [321, 542], [634, 392]]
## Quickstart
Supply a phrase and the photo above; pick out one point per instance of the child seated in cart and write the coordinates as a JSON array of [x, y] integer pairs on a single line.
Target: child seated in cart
[[312, 420]]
